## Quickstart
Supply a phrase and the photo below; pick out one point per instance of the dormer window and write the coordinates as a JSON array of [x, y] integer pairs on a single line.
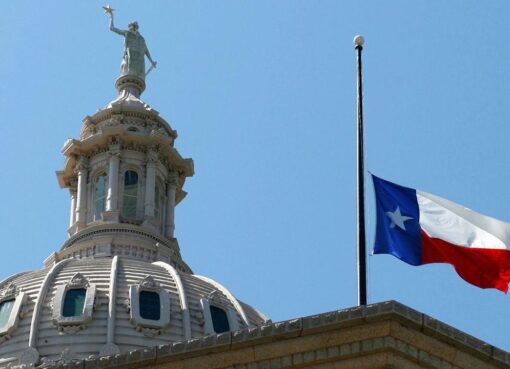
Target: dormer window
[[219, 319], [130, 197], [99, 196], [5, 311], [150, 307], [11, 302], [74, 302]]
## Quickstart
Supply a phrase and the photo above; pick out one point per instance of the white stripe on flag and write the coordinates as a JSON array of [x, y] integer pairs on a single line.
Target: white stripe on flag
[[451, 222]]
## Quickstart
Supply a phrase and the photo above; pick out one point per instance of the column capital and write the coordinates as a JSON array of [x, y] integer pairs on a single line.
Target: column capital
[[152, 156], [173, 179], [73, 191], [114, 146], [82, 163]]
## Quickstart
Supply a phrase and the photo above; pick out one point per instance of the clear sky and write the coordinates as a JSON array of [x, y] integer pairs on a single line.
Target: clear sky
[[262, 94]]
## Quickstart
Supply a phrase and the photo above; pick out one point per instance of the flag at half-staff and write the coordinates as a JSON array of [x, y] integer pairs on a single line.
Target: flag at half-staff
[[421, 228]]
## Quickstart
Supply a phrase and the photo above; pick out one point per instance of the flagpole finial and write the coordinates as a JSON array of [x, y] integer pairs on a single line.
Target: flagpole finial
[[358, 40]]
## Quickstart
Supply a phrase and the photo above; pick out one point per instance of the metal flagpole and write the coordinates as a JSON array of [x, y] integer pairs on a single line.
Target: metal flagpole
[[361, 239]]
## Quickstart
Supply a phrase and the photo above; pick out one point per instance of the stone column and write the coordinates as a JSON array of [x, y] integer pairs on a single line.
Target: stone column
[[112, 202], [81, 207], [171, 190], [150, 183], [72, 213]]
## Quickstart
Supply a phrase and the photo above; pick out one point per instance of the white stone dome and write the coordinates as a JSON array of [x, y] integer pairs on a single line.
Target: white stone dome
[[40, 334]]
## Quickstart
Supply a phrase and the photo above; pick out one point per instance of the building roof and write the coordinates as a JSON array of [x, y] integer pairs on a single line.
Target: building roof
[[113, 277], [381, 335]]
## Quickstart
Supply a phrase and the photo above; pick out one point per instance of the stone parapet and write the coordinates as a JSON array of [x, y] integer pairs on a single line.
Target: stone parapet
[[382, 335]]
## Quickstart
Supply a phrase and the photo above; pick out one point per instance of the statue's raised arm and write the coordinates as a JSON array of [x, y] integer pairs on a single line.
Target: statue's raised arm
[[135, 49], [113, 29]]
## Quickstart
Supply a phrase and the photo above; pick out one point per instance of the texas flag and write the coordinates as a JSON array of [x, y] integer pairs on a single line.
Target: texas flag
[[421, 228]]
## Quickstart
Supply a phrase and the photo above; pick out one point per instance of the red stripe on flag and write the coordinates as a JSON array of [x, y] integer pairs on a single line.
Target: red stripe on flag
[[485, 268]]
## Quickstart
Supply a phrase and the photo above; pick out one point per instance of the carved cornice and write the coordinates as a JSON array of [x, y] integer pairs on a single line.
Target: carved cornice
[[97, 151], [134, 147]]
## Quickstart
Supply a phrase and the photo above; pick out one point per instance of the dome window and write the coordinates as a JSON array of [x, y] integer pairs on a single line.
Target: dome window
[[149, 306], [5, 311], [132, 129], [130, 197], [11, 302], [99, 196], [219, 319], [73, 304]]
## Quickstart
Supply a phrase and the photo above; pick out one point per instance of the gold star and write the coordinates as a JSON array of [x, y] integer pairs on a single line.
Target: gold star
[[108, 9]]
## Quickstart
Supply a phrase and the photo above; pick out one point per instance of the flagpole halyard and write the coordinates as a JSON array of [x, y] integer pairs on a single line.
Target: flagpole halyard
[[360, 193]]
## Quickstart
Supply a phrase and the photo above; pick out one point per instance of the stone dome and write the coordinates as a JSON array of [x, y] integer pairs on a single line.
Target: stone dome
[[118, 283], [111, 321]]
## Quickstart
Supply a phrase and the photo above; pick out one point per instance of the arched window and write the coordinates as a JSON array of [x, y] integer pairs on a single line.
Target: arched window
[[219, 319], [130, 194], [99, 196]]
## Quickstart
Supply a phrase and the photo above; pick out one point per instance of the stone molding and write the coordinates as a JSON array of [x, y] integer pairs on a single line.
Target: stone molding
[[142, 243]]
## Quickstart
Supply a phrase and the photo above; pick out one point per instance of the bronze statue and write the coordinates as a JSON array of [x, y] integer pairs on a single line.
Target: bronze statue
[[135, 49]]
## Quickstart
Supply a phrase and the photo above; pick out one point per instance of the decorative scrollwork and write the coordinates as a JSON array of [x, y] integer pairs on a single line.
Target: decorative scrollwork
[[149, 283], [9, 291], [148, 332], [78, 281]]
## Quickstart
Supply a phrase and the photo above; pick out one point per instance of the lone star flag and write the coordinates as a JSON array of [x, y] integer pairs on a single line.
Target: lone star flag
[[421, 228]]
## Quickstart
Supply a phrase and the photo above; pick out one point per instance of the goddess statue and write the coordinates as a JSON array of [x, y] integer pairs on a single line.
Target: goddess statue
[[135, 49]]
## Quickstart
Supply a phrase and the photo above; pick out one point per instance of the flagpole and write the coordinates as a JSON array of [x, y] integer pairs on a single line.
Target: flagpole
[[360, 193]]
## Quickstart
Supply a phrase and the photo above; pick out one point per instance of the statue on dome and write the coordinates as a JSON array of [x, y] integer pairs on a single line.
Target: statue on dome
[[135, 49]]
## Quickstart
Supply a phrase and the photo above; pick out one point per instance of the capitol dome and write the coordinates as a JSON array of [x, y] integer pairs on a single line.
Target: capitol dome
[[119, 282]]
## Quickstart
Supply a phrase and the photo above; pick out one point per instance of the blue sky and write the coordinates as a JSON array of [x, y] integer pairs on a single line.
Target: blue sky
[[262, 94]]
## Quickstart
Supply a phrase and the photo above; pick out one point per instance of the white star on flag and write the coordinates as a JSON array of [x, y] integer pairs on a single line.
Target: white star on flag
[[397, 219]]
